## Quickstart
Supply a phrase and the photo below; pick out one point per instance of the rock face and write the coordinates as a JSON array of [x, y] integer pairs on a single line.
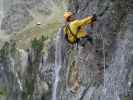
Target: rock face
[[18, 16], [18, 13], [100, 72], [25, 75]]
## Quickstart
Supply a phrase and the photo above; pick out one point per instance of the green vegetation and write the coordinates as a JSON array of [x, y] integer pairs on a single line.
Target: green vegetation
[[13, 47], [38, 43], [126, 98], [30, 86], [3, 92], [4, 51]]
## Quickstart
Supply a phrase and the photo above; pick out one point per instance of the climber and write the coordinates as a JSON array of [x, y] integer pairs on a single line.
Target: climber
[[74, 29]]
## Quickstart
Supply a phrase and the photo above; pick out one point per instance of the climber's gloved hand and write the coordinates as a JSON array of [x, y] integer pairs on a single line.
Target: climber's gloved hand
[[94, 18]]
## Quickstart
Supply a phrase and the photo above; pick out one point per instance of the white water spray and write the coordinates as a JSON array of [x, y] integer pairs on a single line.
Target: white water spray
[[58, 64], [23, 59], [14, 68]]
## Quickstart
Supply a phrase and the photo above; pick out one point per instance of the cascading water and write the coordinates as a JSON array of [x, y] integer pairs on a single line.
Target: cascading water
[[23, 60], [58, 64], [23, 63]]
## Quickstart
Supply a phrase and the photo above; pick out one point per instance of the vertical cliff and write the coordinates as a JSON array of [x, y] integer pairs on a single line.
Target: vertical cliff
[[25, 75], [102, 72], [48, 68]]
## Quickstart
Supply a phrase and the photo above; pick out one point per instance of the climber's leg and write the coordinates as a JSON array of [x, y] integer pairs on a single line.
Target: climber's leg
[[83, 41], [90, 39]]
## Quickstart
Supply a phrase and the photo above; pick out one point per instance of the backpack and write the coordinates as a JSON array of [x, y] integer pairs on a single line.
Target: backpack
[[69, 35]]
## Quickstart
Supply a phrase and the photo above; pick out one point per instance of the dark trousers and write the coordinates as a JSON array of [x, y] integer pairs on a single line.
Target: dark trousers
[[84, 40]]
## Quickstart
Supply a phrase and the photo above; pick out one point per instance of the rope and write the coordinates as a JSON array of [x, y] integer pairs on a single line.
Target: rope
[[103, 52], [104, 58]]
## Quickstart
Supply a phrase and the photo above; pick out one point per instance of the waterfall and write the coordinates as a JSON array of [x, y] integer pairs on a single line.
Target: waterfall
[[13, 69], [23, 64], [58, 64], [23, 60]]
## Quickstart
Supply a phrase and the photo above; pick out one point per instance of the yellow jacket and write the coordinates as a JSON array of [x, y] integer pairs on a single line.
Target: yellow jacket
[[78, 28]]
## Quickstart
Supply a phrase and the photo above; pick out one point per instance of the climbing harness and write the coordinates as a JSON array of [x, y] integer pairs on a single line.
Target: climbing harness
[[68, 33]]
